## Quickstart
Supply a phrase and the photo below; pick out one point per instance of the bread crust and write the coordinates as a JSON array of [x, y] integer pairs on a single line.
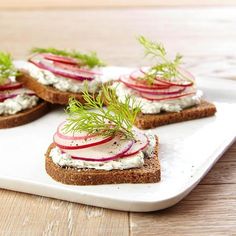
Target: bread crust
[[48, 93], [148, 121], [26, 116], [149, 173]]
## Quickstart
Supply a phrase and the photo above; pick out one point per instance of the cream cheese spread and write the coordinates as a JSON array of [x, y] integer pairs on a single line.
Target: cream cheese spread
[[46, 77], [154, 107], [19, 103], [135, 161], [63, 159]]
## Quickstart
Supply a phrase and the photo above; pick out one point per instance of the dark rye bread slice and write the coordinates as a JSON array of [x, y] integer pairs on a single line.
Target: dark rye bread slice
[[149, 173], [48, 93], [148, 121], [25, 116]]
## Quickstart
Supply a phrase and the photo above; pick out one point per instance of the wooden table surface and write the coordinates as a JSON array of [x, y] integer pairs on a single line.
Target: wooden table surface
[[203, 35]]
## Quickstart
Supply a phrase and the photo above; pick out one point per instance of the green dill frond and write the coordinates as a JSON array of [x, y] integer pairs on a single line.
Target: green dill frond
[[93, 117], [90, 60], [164, 67], [7, 68]]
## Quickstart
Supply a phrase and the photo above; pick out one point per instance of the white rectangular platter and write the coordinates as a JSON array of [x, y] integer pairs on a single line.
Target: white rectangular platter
[[188, 151]]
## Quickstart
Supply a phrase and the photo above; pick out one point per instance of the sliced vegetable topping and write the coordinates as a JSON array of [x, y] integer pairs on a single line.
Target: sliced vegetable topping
[[62, 59], [116, 118], [90, 60], [111, 150], [74, 144], [102, 135], [72, 135], [163, 81], [13, 93], [76, 75], [140, 143], [10, 86], [65, 64], [164, 68]]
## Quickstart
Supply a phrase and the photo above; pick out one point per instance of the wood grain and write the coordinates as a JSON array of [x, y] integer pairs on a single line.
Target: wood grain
[[14, 4], [206, 217], [203, 36], [112, 33], [24, 214]]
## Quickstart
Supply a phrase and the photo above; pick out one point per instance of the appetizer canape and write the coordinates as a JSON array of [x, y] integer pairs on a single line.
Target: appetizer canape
[[98, 145], [18, 105], [55, 75], [166, 92]]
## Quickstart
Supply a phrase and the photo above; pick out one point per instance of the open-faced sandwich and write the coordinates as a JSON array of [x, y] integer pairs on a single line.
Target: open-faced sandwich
[[98, 145], [55, 75], [166, 92], [18, 105]]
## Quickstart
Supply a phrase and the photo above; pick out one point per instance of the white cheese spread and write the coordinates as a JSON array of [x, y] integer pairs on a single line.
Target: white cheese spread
[[154, 107], [19, 103], [63, 159], [135, 161], [46, 77]]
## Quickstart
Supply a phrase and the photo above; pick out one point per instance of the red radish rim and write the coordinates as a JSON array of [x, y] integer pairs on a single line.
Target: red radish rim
[[11, 86], [103, 159], [157, 92], [65, 74], [67, 137], [161, 83], [167, 98], [62, 59], [131, 154], [76, 68], [5, 97], [140, 71], [105, 140], [172, 83], [89, 71], [144, 86]]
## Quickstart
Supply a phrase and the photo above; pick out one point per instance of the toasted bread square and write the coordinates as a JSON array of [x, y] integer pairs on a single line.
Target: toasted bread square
[[149, 173], [25, 116], [48, 93], [148, 121]]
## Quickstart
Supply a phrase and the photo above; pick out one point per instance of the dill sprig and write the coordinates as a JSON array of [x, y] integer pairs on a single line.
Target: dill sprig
[[164, 67], [90, 60], [7, 68], [116, 118]]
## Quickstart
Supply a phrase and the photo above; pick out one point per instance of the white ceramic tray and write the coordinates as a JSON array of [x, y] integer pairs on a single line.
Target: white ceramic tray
[[188, 150]]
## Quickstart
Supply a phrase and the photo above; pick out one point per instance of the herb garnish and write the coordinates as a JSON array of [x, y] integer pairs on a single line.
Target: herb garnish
[[116, 118], [164, 67], [91, 60], [7, 68]]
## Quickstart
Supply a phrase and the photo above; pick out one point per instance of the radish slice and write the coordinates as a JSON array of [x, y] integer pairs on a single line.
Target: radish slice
[[141, 142], [62, 59], [68, 144], [71, 135], [62, 72], [5, 96], [161, 98], [10, 86], [140, 84], [162, 92], [182, 82], [185, 84], [74, 68], [111, 150], [172, 90], [138, 75]]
